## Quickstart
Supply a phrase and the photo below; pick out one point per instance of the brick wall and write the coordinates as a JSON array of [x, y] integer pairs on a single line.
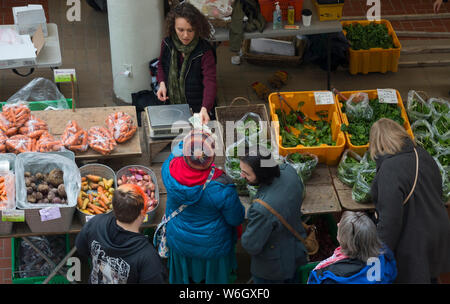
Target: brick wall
[[5, 261]]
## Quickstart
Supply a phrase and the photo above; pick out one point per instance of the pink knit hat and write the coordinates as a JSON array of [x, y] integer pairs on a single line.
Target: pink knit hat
[[198, 150]]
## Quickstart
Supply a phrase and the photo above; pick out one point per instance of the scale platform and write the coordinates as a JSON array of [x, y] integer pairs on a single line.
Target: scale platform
[[168, 121]]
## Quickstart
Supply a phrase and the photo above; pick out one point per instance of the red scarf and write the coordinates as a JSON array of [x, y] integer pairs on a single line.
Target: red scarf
[[187, 176], [337, 256]]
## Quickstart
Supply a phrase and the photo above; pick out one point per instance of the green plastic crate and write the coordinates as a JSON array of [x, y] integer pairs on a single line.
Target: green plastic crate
[[304, 270], [15, 247], [41, 105]]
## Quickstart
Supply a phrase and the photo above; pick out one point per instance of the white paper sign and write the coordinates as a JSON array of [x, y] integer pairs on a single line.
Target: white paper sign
[[324, 98], [387, 96], [50, 213]]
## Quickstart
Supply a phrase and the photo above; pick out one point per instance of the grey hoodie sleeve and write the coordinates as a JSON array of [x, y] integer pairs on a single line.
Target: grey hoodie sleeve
[[257, 233], [81, 241]]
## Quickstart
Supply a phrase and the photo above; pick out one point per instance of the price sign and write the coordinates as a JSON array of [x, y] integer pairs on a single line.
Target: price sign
[[50, 213], [387, 96], [13, 215], [324, 98], [63, 75]]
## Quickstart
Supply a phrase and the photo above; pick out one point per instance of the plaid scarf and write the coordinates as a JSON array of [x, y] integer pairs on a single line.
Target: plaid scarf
[[176, 83]]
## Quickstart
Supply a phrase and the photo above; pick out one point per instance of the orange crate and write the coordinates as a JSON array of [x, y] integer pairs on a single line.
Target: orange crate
[[268, 6], [375, 59], [326, 154], [372, 94]]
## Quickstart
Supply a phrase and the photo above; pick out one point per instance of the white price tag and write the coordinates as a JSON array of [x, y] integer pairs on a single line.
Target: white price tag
[[324, 98], [50, 213], [387, 96]]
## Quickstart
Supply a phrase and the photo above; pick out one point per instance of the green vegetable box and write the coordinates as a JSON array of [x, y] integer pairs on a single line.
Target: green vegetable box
[[374, 46], [302, 125], [357, 129]]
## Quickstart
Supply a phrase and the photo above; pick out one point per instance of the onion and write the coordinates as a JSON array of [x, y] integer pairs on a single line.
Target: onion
[[138, 177]]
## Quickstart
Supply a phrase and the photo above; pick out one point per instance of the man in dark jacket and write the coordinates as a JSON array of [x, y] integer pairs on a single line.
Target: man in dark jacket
[[119, 253], [276, 253]]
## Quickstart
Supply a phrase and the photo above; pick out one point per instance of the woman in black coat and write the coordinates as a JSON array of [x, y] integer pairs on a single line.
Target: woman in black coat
[[418, 230]]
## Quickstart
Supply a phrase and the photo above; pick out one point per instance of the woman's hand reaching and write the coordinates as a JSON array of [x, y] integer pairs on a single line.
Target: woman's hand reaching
[[204, 115], [162, 92]]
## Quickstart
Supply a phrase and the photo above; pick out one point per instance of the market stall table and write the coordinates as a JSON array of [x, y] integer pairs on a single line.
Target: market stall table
[[89, 117], [316, 27], [49, 56]]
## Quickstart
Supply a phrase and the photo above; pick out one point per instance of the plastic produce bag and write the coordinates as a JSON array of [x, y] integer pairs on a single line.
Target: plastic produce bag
[[441, 128], [101, 140], [44, 163], [303, 163], [348, 167], [422, 127], [47, 143], [74, 137], [445, 172], [357, 107], [217, 9], [367, 162], [34, 127], [17, 114], [121, 126], [20, 143], [32, 264], [250, 127], [41, 89], [361, 188], [427, 142], [439, 107], [417, 107], [3, 139], [232, 166], [7, 190]]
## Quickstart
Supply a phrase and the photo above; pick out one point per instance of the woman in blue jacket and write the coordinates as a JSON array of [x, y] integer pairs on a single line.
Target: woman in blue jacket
[[361, 258], [202, 238]]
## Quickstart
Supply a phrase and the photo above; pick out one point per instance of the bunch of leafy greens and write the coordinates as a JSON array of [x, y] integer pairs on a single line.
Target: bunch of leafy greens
[[359, 128], [312, 132], [348, 169], [364, 37]]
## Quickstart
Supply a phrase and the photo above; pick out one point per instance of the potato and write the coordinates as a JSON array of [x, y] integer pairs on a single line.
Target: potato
[[27, 174], [33, 186], [27, 181], [42, 188], [29, 190], [39, 196], [39, 176], [62, 190], [55, 177], [56, 200], [45, 201], [31, 199]]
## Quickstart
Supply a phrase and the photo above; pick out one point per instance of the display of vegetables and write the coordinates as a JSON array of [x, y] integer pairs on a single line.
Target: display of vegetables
[[303, 163], [348, 167], [46, 188], [121, 126], [101, 140], [309, 132], [20, 143], [417, 108], [359, 128], [96, 194], [17, 114], [74, 137], [47, 143], [144, 180], [372, 35], [34, 127]]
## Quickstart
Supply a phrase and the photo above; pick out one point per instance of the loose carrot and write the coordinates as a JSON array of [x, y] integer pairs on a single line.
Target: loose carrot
[[93, 178]]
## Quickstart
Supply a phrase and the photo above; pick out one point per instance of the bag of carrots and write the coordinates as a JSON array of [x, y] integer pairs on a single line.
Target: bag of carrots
[[34, 127], [101, 140], [121, 126], [17, 114], [47, 143], [7, 127], [20, 143], [74, 137], [7, 190], [3, 139]]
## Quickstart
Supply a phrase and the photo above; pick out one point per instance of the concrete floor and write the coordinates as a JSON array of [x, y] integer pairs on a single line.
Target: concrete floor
[[85, 46]]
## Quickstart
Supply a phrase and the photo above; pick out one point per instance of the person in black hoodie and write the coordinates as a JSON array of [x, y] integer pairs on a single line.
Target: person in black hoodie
[[119, 253]]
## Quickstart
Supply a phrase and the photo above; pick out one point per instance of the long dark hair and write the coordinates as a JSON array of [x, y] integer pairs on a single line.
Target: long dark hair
[[262, 164], [196, 19]]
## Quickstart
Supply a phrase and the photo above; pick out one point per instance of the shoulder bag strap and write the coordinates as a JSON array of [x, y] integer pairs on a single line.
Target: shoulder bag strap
[[282, 220], [415, 179], [184, 206]]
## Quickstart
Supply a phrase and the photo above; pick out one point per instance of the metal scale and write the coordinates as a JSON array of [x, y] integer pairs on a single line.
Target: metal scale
[[168, 121]]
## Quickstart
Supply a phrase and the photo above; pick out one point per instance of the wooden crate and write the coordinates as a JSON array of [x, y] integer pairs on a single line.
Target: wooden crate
[[235, 112]]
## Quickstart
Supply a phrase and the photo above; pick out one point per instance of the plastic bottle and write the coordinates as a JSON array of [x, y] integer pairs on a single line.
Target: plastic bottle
[[277, 17]]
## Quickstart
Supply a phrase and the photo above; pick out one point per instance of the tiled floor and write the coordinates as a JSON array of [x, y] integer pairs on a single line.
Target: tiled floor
[[85, 46]]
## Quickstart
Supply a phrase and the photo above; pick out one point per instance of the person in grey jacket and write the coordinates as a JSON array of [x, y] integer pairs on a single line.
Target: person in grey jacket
[[418, 230], [275, 252]]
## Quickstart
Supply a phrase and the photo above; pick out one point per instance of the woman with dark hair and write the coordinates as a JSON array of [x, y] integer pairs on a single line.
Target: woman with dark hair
[[407, 193], [275, 252], [187, 64]]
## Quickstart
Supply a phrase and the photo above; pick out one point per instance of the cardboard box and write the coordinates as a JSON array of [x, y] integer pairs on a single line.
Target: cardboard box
[[23, 53], [28, 18], [272, 46]]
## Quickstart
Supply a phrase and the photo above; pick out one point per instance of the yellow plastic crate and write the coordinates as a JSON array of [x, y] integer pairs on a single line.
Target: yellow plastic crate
[[326, 154], [372, 94], [329, 11], [375, 59]]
